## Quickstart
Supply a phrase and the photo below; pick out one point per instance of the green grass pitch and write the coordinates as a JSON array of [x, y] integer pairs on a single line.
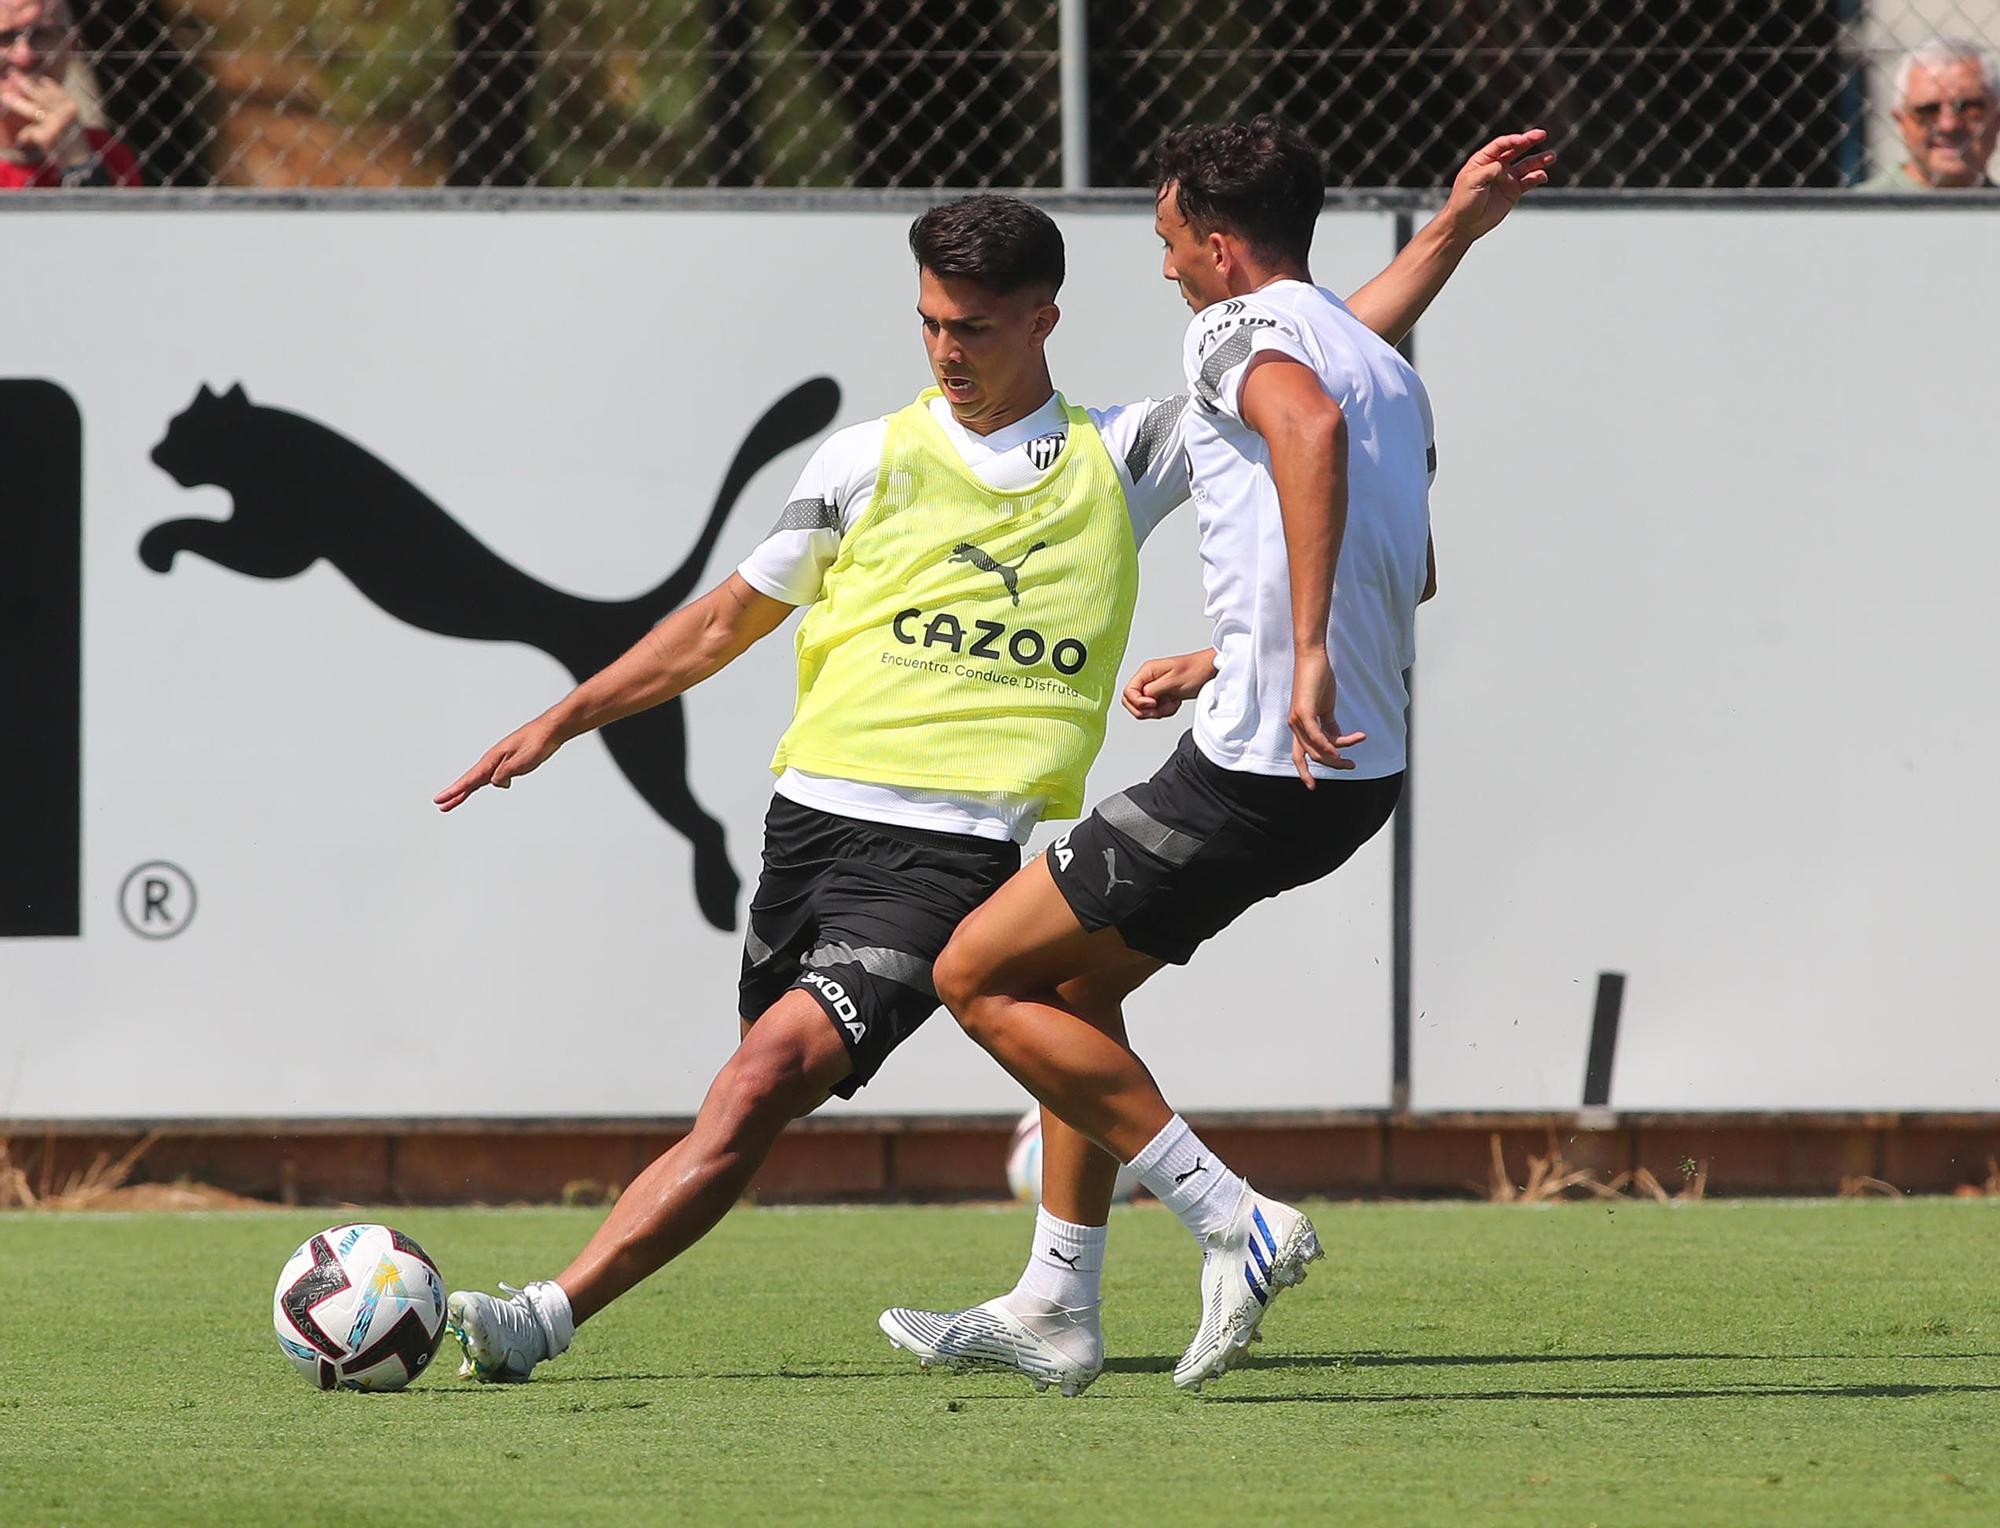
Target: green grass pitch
[[1832, 1363]]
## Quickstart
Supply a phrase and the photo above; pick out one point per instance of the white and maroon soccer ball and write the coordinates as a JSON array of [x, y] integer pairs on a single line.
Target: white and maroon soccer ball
[[1024, 1164], [360, 1306]]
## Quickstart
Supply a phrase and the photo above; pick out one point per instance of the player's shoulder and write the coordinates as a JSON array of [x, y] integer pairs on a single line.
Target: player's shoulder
[[1275, 310], [1144, 437], [1123, 423], [862, 438], [844, 464], [853, 451]]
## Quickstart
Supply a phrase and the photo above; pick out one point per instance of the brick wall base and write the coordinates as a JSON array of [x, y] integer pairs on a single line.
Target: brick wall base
[[1355, 1155]]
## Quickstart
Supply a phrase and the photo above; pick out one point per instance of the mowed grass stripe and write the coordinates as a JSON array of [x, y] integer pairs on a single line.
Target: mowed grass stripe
[[1472, 1365]]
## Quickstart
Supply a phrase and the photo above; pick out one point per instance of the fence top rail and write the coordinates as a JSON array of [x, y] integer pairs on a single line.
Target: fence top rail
[[442, 199]]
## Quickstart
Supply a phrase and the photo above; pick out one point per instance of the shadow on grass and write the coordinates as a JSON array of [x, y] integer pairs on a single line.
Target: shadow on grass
[[694, 1376], [1266, 1362], [1159, 1364], [1380, 1360], [1707, 1393]]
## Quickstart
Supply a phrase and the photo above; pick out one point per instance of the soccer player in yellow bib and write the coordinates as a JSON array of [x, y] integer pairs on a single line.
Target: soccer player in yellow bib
[[969, 565]]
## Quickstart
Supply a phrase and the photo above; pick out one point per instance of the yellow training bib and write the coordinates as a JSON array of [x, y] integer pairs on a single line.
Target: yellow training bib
[[968, 639]]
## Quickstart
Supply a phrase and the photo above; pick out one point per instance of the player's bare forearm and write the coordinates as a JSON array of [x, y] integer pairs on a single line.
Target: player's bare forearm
[[694, 643], [1487, 188], [684, 649], [1392, 303], [1312, 503]]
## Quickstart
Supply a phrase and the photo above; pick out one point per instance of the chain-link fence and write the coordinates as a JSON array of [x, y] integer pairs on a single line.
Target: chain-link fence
[[642, 93]]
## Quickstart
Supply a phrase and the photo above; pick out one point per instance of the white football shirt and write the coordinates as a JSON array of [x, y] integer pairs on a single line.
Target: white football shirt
[[834, 492], [1241, 719]]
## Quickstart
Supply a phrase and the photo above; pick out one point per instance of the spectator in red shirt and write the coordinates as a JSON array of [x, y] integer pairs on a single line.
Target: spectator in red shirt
[[43, 141]]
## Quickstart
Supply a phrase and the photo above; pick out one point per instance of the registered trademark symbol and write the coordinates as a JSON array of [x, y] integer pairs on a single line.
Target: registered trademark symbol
[[157, 900]]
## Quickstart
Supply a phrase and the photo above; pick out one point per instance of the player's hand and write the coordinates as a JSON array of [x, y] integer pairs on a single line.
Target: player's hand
[[50, 129], [1314, 734], [1494, 179], [518, 753], [1161, 684]]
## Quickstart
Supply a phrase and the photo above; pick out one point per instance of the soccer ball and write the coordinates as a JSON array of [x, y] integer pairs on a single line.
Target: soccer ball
[[360, 1306], [1024, 1164]]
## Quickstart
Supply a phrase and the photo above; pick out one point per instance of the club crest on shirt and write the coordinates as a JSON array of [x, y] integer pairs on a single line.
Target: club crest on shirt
[[1044, 449]]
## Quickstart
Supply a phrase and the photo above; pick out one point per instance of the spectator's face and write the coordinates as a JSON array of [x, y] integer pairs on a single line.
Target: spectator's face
[[1948, 121], [34, 38]]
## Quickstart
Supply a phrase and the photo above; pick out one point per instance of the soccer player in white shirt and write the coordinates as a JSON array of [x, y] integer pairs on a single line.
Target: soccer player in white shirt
[[1310, 447], [866, 872]]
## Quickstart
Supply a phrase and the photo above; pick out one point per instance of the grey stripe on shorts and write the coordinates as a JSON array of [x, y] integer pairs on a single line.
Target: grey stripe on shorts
[[892, 965], [1148, 832]]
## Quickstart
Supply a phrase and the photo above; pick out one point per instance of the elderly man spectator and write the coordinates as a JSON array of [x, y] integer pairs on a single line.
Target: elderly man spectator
[[1946, 93], [43, 140]]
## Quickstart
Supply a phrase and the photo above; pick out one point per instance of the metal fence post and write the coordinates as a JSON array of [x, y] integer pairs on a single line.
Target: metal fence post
[[1074, 44]]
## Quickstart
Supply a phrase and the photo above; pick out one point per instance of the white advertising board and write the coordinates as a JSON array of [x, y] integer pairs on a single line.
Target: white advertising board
[[1708, 694], [472, 453], [1706, 698]]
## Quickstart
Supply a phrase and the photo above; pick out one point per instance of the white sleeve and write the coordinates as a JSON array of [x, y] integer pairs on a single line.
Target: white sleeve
[[1219, 350], [1148, 446], [831, 495]]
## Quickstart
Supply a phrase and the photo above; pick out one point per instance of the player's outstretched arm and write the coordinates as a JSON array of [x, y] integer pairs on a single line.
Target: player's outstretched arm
[[1306, 434], [1486, 190], [1160, 685], [694, 642]]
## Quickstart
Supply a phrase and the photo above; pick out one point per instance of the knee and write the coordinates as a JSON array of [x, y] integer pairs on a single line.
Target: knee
[[767, 1083], [970, 988], [959, 978]]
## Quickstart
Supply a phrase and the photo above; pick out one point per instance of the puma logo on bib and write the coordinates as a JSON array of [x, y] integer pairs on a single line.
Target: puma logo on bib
[[1009, 572]]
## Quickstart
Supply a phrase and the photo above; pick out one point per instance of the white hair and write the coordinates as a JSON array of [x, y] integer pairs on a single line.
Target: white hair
[[1937, 54]]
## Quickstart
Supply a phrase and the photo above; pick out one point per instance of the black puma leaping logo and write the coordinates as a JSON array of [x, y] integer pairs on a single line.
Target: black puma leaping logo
[[1010, 572], [1071, 1261], [1112, 879], [303, 492], [1199, 1167]]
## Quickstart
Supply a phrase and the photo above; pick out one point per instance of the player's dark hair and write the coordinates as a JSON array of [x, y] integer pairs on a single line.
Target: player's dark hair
[[1259, 180], [998, 241]]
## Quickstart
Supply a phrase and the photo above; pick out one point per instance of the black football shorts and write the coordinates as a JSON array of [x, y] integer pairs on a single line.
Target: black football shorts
[[856, 913], [1176, 860]]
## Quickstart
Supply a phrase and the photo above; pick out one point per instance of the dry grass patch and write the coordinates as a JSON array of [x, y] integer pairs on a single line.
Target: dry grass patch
[[84, 1188], [1551, 1177]]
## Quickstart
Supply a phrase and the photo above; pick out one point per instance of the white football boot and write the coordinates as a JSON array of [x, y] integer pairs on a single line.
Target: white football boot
[[1243, 1269], [1061, 1348], [505, 1339]]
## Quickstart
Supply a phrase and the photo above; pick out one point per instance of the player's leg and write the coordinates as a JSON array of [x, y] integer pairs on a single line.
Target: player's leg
[[786, 1065], [1002, 976], [995, 976], [783, 1068], [1179, 858], [672, 1203], [1079, 1176], [1048, 1325]]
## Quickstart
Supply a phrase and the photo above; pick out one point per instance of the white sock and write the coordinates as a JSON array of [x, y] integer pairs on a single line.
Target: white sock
[[551, 1307], [1065, 1264], [1057, 1297], [1189, 1179]]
